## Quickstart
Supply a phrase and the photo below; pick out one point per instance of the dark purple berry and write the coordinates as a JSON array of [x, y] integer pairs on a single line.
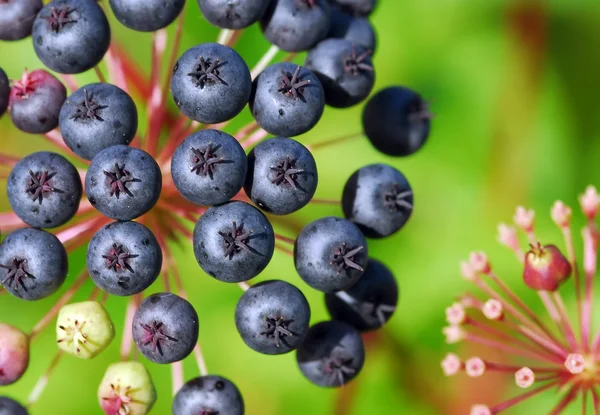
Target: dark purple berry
[[97, 116], [146, 15], [378, 199], [233, 14], [123, 182], [287, 99], [4, 92], [16, 18], [33, 263], [369, 303], [9, 406], [233, 242], [356, 7], [209, 167], [165, 328], [397, 121], [272, 317], [211, 83], [332, 354], [71, 36], [330, 254], [208, 395], [124, 258], [296, 25], [282, 176], [44, 190], [357, 30], [344, 69], [35, 102]]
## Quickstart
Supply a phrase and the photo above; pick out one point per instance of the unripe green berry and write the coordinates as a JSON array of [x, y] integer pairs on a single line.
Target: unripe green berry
[[14, 354], [126, 388]]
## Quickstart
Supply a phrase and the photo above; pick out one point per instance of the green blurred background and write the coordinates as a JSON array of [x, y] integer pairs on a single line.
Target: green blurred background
[[514, 87]]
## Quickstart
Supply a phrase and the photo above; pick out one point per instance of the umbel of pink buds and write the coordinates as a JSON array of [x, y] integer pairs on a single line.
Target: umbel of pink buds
[[546, 268], [126, 389], [14, 354]]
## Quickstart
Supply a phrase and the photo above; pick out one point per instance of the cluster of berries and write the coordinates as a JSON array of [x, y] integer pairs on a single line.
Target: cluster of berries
[[209, 174]]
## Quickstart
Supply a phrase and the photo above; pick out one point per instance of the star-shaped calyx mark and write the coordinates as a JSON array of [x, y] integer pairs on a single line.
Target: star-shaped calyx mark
[[118, 258], [59, 17], [40, 186], [286, 172], [308, 3], [208, 411], [17, 273], [355, 64], [206, 72], [235, 240], [278, 329], [338, 369], [118, 179], [378, 310], [343, 258], [118, 401], [155, 335], [88, 109], [395, 199], [206, 160], [291, 85]]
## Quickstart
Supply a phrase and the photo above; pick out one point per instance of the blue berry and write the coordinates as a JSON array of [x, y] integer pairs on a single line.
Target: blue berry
[[378, 199], [97, 116], [165, 328], [272, 317], [35, 102], [16, 18], [397, 121], [9, 406], [330, 254], [44, 190], [282, 176], [357, 30], [356, 7], [233, 242], [211, 83], [4, 92], [332, 354], [33, 263], [71, 36], [370, 303], [208, 395], [146, 15], [233, 14], [296, 25], [209, 167], [124, 258], [287, 99], [345, 71], [123, 183]]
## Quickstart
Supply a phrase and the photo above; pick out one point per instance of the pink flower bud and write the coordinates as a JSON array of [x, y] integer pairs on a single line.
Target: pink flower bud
[[475, 367], [451, 364], [524, 377]]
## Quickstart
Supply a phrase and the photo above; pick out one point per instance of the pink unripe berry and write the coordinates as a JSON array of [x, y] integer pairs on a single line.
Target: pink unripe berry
[[126, 388], [14, 354], [546, 268]]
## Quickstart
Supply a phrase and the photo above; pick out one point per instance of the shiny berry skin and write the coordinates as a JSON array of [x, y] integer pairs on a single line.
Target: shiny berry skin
[[287, 99], [332, 354], [233, 14], [296, 25], [97, 116], [208, 395], [35, 102], [233, 242], [124, 258], [14, 354], [165, 328], [330, 254], [546, 268], [344, 69], [16, 18], [369, 303], [282, 176], [378, 199], [123, 182], [272, 317], [9, 406], [126, 388], [4, 92], [44, 190], [356, 7], [397, 121], [211, 83], [71, 36], [357, 30], [146, 15], [209, 167]]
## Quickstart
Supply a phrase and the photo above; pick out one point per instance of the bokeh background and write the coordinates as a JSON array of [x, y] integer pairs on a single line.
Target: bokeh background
[[514, 89]]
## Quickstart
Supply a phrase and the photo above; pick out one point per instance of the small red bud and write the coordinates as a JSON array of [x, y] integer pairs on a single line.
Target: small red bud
[[546, 268]]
